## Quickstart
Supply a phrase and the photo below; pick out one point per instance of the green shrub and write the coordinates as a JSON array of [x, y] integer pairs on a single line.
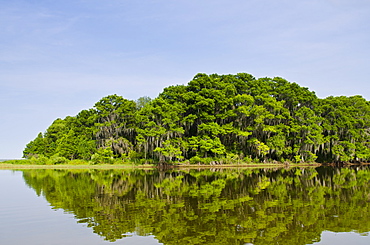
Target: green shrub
[[18, 161], [78, 162], [56, 159], [103, 155]]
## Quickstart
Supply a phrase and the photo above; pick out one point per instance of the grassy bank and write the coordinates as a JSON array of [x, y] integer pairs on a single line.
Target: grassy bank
[[70, 166], [81, 164]]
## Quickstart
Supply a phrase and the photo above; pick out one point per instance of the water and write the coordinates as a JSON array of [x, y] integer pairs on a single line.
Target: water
[[284, 206]]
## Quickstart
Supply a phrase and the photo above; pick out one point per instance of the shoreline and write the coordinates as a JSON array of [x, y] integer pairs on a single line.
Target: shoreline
[[6, 166], [11, 166]]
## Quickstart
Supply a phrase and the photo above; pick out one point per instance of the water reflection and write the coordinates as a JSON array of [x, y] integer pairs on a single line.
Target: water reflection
[[284, 206]]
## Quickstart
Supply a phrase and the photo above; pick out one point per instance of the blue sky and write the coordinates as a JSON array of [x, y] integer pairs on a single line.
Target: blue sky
[[59, 57]]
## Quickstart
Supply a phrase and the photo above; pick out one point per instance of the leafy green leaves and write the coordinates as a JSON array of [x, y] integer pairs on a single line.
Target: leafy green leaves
[[213, 116]]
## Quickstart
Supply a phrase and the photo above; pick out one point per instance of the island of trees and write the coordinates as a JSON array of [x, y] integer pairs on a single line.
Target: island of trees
[[214, 119]]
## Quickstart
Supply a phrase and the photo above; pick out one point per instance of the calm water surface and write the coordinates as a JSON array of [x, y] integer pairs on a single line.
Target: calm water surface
[[284, 206]]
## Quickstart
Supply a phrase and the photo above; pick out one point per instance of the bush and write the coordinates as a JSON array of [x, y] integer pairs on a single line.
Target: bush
[[38, 160], [78, 162], [56, 159], [20, 161], [199, 160], [103, 155], [195, 160], [247, 159]]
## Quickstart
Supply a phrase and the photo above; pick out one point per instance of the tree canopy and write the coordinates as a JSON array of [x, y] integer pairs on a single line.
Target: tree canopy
[[215, 119]]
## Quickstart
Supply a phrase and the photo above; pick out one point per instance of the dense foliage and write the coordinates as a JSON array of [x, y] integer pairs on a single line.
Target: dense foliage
[[214, 119], [260, 206]]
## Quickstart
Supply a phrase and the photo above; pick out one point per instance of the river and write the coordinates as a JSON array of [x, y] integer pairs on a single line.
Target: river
[[319, 206]]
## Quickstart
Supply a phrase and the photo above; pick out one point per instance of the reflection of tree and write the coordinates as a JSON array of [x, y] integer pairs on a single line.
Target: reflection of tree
[[212, 207]]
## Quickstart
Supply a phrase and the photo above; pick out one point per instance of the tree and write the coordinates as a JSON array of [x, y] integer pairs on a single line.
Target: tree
[[217, 116], [115, 122]]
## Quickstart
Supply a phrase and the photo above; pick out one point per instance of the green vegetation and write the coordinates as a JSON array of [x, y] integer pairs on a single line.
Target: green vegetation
[[214, 119], [258, 206]]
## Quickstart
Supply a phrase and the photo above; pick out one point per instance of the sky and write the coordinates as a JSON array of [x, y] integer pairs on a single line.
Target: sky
[[60, 57]]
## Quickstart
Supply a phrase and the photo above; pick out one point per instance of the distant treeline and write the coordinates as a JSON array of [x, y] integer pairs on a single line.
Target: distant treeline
[[214, 119]]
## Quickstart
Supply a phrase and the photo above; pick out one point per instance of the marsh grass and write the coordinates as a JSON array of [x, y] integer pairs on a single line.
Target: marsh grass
[[83, 164]]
